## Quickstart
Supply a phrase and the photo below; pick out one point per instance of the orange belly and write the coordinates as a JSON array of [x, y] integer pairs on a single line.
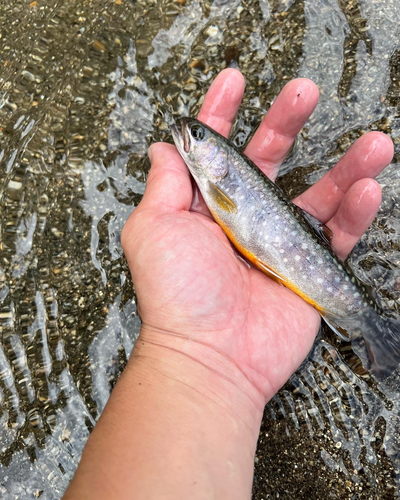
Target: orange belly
[[271, 273]]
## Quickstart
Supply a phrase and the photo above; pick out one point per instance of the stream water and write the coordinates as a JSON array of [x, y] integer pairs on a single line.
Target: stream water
[[85, 87]]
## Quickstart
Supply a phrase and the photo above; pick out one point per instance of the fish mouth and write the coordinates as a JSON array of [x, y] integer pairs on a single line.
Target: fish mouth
[[180, 134]]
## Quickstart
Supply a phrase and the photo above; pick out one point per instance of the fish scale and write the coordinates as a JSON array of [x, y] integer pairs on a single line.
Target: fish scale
[[279, 224], [285, 242]]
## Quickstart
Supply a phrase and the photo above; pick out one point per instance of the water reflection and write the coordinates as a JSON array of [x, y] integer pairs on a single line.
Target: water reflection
[[84, 90]]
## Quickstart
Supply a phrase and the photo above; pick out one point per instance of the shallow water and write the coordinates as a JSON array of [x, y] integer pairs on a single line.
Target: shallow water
[[85, 87]]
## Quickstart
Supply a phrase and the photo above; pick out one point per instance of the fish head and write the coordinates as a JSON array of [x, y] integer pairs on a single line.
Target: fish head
[[202, 150]]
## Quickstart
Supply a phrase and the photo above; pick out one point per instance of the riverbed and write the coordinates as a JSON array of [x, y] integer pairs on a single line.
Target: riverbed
[[85, 87]]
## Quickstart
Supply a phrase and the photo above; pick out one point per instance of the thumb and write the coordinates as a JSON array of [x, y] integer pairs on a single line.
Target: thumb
[[168, 186], [168, 190]]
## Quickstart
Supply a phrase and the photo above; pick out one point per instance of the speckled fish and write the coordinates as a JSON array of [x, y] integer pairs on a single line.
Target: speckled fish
[[285, 242]]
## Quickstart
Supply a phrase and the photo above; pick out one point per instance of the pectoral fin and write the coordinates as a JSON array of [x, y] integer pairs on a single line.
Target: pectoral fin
[[221, 199]]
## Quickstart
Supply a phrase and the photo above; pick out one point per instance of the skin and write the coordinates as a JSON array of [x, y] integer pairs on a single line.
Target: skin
[[218, 337]]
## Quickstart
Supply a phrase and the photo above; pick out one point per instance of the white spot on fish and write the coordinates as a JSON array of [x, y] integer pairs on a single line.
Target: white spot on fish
[[304, 246], [345, 287], [281, 250], [319, 280], [319, 261], [297, 258], [330, 289], [337, 279], [356, 295], [328, 271], [347, 278], [285, 259]]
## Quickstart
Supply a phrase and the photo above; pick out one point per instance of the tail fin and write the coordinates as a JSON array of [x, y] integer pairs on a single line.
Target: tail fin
[[375, 338]]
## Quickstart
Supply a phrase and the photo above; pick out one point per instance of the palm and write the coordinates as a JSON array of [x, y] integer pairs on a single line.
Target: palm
[[189, 280], [219, 299]]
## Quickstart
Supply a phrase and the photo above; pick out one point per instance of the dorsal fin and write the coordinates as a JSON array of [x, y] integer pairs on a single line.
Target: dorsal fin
[[322, 231], [221, 199]]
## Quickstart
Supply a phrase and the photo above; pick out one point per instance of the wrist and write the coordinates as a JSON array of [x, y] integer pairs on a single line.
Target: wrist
[[200, 369]]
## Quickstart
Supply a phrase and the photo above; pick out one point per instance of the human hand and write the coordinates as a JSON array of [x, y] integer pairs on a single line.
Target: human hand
[[190, 283]]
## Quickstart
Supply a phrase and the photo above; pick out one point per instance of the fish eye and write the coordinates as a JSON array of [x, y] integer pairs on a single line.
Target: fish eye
[[197, 132]]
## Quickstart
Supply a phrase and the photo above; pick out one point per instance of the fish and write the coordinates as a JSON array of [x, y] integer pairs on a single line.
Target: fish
[[286, 243]]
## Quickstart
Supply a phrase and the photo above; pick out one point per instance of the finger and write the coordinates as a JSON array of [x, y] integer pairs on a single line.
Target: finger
[[367, 157], [168, 186], [355, 214], [222, 101], [287, 115]]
